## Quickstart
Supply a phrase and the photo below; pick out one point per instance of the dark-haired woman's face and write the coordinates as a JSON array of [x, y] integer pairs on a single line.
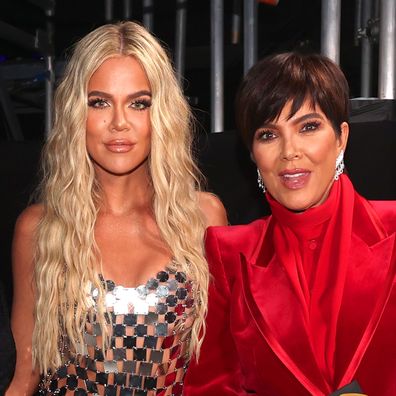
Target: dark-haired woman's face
[[118, 128], [296, 157]]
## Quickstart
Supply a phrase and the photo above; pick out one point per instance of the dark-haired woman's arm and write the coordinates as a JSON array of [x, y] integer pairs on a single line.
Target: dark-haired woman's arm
[[217, 371]]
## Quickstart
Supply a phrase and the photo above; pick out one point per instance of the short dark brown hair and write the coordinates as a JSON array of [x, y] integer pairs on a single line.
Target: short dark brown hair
[[278, 79]]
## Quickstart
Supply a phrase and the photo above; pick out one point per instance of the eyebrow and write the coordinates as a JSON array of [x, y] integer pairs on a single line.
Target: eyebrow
[[296, 121], [307, 116], [109, 96]]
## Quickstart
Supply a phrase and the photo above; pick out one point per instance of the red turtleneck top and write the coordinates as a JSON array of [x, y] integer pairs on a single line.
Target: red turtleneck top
[[302, 303]]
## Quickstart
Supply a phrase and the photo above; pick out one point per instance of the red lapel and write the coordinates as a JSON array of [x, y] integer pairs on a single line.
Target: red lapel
[[277, 313], [369, 284]]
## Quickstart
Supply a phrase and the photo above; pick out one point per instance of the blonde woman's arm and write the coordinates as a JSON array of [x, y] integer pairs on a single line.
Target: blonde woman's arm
[[25, 380], [213, 209]]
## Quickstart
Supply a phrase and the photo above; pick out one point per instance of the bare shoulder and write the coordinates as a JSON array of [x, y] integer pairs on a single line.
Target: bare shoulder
[[24, 235], [28, 220], [213, 209]]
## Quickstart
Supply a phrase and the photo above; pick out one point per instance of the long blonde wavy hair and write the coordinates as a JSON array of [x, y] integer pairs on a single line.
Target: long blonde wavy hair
[[66, 254]]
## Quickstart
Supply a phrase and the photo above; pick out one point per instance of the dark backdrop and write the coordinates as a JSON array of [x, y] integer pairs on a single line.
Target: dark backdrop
[[293, 24]]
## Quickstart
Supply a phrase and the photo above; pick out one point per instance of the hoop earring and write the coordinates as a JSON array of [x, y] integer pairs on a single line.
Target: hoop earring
[[339, 165], [260, 180]]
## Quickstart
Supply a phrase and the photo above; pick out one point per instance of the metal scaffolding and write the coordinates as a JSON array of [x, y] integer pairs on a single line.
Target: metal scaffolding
[[108, 11], [127, 9], [372, 16], [217, 65], [249, 34], [366, 79], [148, 14], [42, 42], [387, 51], [331, 28], [180, 38]]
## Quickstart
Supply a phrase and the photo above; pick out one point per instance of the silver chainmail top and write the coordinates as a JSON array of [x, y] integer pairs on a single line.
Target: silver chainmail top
[[150, 337]]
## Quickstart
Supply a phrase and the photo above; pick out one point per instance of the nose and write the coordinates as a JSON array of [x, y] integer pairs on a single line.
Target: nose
[[119, 121], [290, 149]]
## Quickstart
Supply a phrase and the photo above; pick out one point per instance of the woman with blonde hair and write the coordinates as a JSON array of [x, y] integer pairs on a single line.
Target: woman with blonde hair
[[110, 279]]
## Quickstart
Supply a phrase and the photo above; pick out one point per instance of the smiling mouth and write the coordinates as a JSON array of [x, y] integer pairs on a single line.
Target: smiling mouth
[[295, 179]]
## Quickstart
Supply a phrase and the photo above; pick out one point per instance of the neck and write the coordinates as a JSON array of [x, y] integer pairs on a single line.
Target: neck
[[125, 194]]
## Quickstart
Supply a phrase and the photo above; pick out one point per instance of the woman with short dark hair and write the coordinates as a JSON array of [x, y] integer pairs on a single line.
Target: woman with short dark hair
[[302, 301]]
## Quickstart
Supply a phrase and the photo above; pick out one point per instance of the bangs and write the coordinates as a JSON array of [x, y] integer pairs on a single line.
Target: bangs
[[277, 80]]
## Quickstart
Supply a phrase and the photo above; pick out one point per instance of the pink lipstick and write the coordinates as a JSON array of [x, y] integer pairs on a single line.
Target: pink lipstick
[[119, 145], [295, 178]]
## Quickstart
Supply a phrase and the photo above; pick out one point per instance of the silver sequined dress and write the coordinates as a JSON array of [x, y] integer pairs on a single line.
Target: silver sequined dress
[[150, 326]]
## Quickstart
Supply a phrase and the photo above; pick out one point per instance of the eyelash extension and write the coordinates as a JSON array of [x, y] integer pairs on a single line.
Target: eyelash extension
[[145, 102], [262, 133], [314, 124], [94, 101]]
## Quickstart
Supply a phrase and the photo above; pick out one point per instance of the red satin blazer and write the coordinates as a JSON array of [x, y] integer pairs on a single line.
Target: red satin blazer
[[257, 340]]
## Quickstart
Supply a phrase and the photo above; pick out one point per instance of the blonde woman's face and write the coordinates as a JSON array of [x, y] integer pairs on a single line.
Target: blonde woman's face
[[296, 156], [118, 128]]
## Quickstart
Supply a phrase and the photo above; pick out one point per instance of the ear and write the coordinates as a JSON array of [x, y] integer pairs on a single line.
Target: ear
[[343, 138], [252, 157]]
